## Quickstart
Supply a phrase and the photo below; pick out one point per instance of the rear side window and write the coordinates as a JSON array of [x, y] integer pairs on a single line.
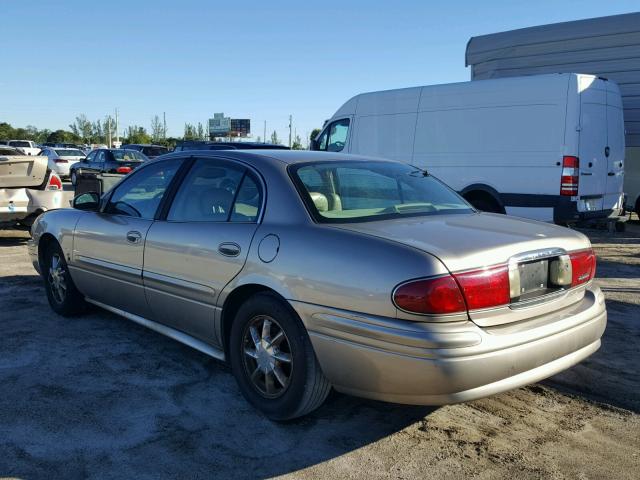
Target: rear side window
[[248, 201], [207, 193]]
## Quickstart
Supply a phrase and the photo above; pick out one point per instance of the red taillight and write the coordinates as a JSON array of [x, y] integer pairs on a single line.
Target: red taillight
[[123, 169], [488, 287], [583, 266], [54, 182], [438, 295], [570, 176]]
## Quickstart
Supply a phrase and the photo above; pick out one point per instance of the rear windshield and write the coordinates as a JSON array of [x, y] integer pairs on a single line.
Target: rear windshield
[[20, 144], [127, 156], [154, 151], [348, 192], [69, 152]]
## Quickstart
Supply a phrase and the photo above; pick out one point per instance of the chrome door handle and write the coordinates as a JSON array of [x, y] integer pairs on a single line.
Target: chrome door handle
[[133, 236], [229, 249]]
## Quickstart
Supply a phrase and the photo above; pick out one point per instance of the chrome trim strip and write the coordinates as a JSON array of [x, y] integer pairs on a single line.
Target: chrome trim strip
[[166, 331], [537, 255], [109, 265]]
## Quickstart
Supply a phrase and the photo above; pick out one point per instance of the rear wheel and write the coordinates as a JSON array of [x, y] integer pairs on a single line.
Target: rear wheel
[[485, 204], [63, 296], [273, 361]]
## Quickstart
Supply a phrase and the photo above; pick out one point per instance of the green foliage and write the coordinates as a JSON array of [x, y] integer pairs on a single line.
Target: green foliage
[[190, 132], [136, 134], [314, 133], [63, 136], [274, 138], [157, 129], [297, 143]]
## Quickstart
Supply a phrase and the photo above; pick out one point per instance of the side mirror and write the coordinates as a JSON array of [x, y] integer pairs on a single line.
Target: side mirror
[[87, 201], [313, 145]]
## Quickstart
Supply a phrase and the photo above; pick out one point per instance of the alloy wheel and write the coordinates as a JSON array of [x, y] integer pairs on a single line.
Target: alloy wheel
[[267, 358], [56, 278]]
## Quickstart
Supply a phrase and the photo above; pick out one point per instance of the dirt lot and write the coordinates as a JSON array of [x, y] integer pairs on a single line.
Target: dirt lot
[[101, 397]]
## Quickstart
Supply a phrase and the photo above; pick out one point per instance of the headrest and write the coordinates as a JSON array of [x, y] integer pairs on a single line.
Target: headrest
[[320, 201]]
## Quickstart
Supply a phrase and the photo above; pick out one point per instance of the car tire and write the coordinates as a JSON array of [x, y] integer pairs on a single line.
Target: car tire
[[280, 389], [486, 205], [64, 298]]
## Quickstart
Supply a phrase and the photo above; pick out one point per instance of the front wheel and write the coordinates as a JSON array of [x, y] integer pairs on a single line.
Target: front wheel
[[273, 360], [64, 298]]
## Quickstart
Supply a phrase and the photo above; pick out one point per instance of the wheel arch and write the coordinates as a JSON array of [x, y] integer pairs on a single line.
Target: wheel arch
[[234, 300], [45, 240], [481, 190]]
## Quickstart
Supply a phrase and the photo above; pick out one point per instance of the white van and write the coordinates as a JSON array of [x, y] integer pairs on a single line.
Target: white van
[[547, 147]]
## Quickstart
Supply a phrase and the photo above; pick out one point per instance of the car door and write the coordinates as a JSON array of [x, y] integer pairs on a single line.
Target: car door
[[109, 244], [201, 244]]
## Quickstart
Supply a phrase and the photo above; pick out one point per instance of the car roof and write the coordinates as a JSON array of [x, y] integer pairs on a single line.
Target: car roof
[[288, 157]]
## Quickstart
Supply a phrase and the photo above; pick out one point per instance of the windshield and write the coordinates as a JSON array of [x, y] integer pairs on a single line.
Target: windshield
[[345, 192], [69, 152], [127, 156]]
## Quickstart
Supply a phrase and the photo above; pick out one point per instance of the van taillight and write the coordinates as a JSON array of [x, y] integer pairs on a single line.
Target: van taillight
[[54, 182], [583, 266], [570, 176], [485, 288], [439, 295]]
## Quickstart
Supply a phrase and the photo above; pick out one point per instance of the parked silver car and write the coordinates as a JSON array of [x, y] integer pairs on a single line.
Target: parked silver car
[[310, 270]]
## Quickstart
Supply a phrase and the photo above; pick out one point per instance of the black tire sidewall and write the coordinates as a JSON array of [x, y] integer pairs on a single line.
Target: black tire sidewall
[[73, 301], [285, 406]]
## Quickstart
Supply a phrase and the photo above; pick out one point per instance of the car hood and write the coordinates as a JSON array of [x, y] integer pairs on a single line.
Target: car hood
[[465, 241]]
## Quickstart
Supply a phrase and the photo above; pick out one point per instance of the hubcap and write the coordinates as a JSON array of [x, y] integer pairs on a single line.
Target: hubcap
[[267, 356], [56, 277]]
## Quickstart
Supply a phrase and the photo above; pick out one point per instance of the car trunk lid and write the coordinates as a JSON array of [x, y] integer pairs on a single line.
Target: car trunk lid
[[475, 241], [19, 171]]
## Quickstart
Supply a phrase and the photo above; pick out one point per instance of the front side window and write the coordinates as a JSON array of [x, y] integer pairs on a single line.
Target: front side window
[[338, 135], [91, 157], [207, 192], [346, 192], [141, 193]]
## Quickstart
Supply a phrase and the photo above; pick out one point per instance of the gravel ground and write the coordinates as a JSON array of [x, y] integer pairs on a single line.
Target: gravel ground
[[100, 397]]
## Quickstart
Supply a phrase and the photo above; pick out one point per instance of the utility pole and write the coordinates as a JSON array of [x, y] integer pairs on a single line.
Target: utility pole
[[290, 118], [109, 131], [264, 139], [164, 125], [117, 133]]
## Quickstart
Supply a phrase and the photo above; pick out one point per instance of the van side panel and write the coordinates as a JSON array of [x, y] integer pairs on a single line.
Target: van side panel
[[508, 135]]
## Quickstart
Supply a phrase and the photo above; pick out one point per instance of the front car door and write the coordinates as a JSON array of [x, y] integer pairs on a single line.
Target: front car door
[[201, 244], [109, 245]]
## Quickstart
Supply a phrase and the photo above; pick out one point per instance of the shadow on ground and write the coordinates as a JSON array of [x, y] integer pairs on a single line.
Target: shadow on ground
[[97, 395]]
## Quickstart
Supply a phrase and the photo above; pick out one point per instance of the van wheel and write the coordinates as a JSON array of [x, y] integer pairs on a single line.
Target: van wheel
[[485, 204], [273, 360], [64, 298]]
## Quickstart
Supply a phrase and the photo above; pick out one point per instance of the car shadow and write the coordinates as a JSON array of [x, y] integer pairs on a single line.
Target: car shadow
[[99, 393], [20, 238]]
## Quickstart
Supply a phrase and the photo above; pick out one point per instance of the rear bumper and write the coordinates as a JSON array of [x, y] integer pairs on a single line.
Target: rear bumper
[[18, 204], [443, 363]]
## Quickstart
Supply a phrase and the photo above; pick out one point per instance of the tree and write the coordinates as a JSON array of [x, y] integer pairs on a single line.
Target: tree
[[314, 133], [297, 143], [190, 132], [62, 136], [274, 138], [200, 133], [136, 134], [82, 127], [157, 129]]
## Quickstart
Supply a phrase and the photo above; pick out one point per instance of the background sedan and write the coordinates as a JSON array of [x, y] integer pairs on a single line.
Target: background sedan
[[107, 160], [61, 159]]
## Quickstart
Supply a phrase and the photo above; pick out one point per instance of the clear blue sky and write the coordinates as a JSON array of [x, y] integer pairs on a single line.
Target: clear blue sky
[[259, 60]]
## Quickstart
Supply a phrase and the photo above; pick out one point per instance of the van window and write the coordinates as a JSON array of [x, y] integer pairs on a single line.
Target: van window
[[334, 137]]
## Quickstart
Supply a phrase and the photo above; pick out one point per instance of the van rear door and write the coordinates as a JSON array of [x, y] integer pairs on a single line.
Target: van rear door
[[593, 141], [615, 151], [20, 171]]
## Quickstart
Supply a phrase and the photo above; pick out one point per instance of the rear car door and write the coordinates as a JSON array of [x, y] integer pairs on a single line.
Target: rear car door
[[201, 244], [108, 245]]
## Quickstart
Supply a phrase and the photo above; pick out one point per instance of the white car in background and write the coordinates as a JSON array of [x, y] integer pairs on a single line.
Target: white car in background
[[27, 146], [61, 159]]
